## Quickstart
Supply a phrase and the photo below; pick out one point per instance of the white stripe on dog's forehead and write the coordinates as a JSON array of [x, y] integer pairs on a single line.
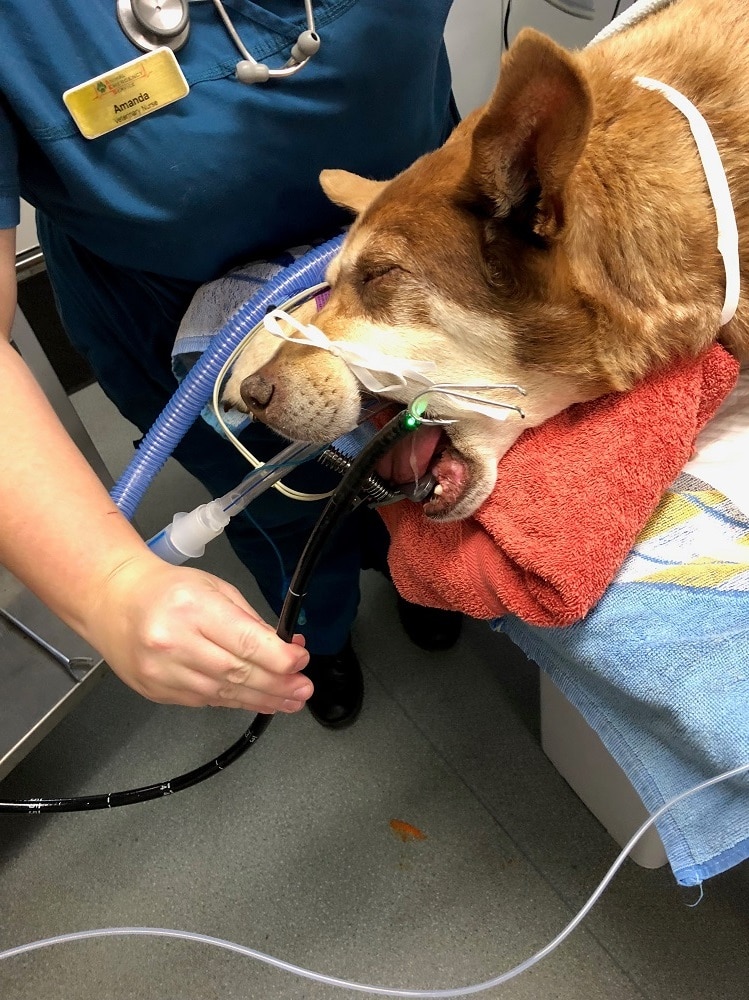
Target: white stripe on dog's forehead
[[346, 257]]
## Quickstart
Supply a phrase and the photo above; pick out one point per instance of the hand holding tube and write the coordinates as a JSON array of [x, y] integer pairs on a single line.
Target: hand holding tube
[[181, 636], [174, 634]]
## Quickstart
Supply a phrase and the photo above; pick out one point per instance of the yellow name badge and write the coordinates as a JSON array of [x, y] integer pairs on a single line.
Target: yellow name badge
[[126, 93]]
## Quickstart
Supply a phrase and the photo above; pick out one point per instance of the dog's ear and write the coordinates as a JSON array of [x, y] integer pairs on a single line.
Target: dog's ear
[[531, 134], [349, 190]]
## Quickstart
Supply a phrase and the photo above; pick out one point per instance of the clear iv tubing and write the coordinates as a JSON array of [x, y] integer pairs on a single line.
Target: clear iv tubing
[[196, 390], [266, 475], [319, 977]]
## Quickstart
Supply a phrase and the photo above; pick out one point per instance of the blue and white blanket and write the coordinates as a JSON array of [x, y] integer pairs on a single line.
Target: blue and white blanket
[[660, 669], [211, 307]]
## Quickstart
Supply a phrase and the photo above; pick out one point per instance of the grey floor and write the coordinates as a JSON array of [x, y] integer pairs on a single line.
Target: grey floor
[[291, 850]]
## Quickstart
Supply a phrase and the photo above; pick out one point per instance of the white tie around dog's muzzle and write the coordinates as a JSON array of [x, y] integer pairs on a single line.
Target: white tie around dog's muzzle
[[369, 366]]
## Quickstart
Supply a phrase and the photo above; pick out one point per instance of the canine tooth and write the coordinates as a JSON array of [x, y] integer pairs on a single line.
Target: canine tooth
[[437, 491]]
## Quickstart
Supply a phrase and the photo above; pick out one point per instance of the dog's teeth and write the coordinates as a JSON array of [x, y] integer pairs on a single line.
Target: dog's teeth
[[437, 491]]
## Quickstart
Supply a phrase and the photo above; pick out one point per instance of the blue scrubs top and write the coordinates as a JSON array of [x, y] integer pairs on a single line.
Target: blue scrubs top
[[132, 222], [229, 172]]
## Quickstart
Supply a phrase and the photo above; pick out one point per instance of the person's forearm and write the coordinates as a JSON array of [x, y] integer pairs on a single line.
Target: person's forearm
[[60, 533], [173, 633]]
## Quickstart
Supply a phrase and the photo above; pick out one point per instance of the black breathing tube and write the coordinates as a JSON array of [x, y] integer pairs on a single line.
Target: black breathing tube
[[341, 502]]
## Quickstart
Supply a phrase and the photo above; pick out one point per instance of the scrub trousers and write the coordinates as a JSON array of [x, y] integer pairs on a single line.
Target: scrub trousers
[[124, 323]]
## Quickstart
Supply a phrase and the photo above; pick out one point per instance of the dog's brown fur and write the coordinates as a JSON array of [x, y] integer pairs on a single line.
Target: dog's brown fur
[[563, 239]]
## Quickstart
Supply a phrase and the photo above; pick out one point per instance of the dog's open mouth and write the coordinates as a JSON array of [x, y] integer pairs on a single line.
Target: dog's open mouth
[[429, 449]]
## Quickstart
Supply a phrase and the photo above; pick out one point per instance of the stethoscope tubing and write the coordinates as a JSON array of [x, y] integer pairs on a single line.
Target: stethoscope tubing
[[149, 24]]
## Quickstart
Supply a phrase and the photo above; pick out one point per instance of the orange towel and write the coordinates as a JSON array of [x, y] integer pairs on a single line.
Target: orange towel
[[570, 500]]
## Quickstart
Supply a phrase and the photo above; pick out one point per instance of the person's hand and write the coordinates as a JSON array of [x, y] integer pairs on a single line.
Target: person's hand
[[181, 636]]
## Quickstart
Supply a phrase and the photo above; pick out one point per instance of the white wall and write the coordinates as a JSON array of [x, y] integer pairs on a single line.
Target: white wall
[[572, 32], [474, 38], [474, 44], [26, 233]]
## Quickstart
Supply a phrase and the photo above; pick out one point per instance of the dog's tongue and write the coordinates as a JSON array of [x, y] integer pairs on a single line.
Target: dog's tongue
[[411, 457]]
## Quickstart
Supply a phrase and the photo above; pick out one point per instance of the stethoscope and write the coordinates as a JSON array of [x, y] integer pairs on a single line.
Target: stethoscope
[[150, 24]]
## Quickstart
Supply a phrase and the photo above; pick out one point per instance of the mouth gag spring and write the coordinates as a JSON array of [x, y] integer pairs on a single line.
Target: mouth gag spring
[[376, 491]]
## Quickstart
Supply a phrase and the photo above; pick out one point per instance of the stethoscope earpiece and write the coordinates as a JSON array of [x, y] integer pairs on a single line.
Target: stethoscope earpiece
[[150, 24], [306, 46], [251, 71]]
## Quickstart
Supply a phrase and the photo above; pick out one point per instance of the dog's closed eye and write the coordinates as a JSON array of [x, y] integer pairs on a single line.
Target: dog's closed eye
[[376, 274], [387, 292]]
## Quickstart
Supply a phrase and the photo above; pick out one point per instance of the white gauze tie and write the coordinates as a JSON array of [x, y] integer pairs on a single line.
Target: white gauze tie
[[366, 363], [717, 183]]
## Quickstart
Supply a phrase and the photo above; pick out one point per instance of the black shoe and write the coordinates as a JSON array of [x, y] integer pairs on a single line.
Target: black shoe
[[429, 628], [339, 687]]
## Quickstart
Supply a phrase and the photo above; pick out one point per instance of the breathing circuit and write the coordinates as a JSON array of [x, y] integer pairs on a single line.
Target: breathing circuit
[[188, 534]]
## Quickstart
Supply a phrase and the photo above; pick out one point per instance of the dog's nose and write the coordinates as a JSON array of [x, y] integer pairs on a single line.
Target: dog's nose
[[256, 391]]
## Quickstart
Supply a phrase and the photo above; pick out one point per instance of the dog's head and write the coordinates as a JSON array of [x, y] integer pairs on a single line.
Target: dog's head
[[482, 257]]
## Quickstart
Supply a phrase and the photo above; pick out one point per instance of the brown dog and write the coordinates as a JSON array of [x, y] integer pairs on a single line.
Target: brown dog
[[563, 239]]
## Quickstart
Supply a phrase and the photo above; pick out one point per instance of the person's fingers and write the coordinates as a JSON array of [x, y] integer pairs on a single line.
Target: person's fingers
[[181, 636], [230, 671], [185, 685], [249, 641]]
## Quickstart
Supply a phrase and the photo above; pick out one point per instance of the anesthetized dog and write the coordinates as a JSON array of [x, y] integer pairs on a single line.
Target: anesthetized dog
[[563, 239]]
